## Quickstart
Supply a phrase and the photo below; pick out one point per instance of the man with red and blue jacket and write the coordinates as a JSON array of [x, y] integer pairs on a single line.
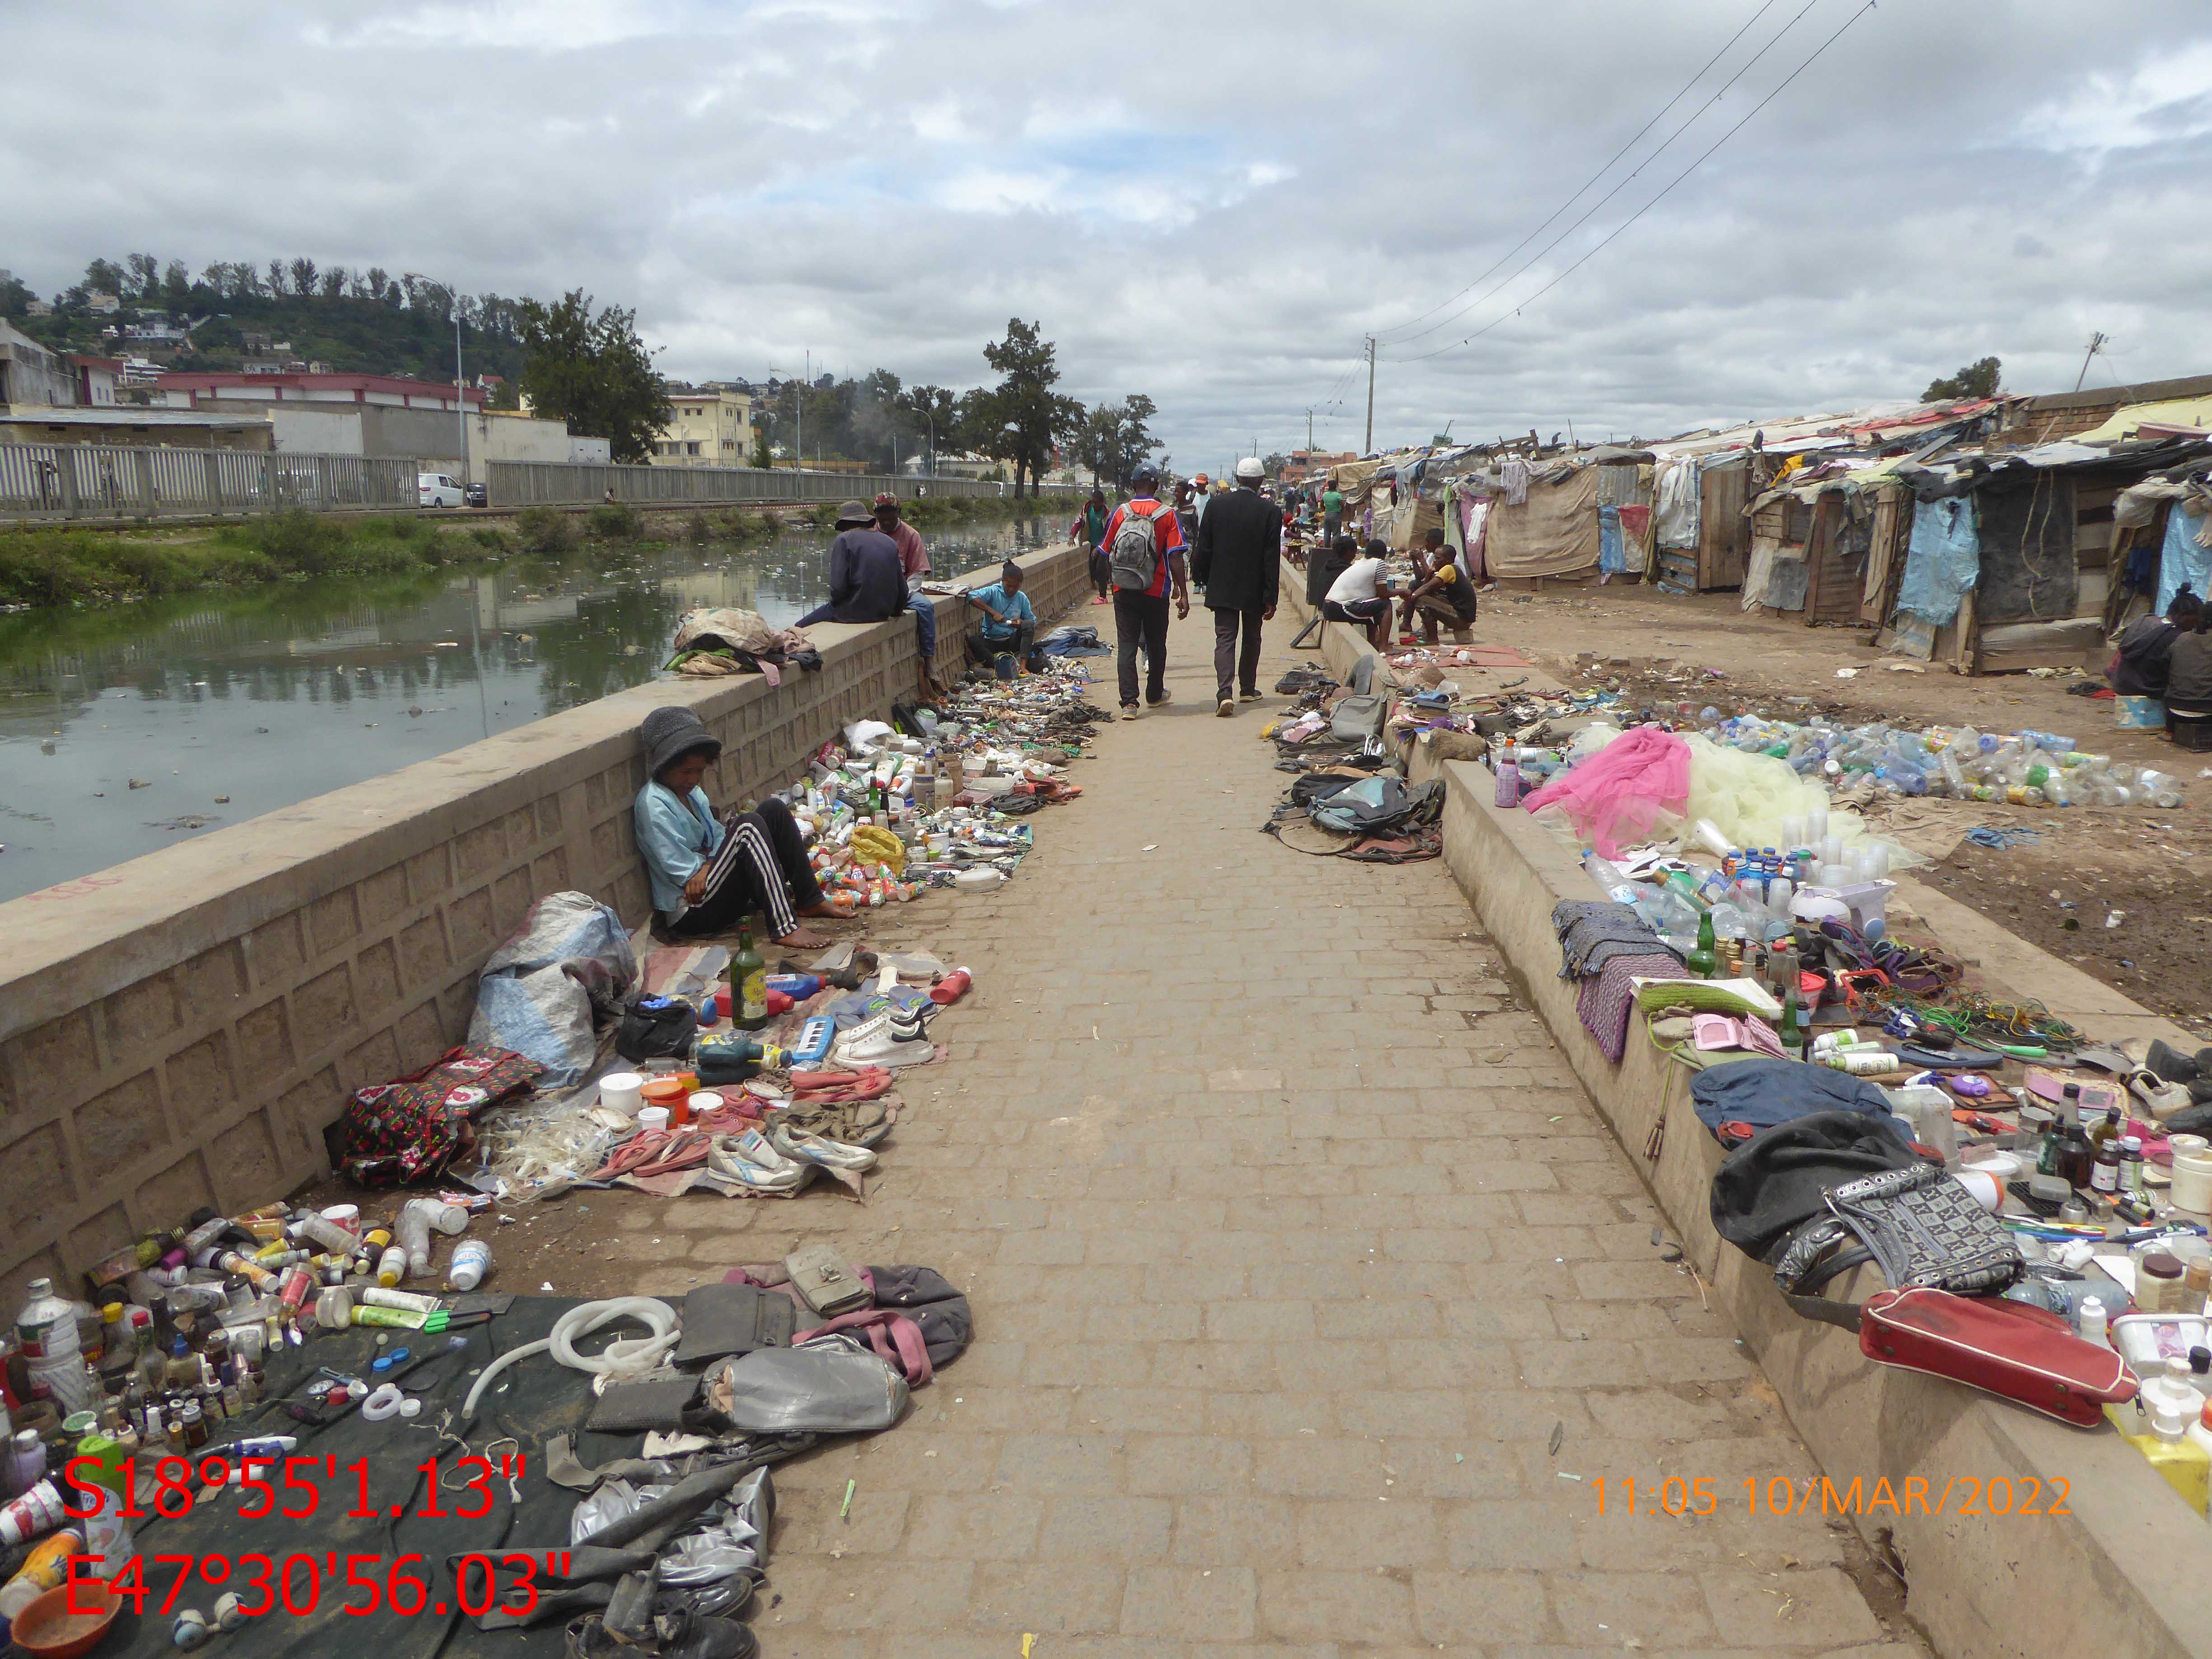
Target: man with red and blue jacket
[[1140, 611]]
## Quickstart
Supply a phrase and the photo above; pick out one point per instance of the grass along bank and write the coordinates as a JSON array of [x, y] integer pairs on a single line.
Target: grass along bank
[[46, 567]]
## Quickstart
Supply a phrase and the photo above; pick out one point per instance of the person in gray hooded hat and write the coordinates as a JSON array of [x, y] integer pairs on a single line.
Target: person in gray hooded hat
[[867, 582], [709, 873]]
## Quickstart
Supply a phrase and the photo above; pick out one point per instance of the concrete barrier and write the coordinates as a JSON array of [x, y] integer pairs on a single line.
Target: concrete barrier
[[179, 1030], [2121, 1568]]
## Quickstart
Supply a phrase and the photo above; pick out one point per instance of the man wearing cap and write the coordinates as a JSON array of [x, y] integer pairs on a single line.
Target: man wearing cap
[[914, 558], [867, 582], [1239, 564], [1141, 608], [709, 873]]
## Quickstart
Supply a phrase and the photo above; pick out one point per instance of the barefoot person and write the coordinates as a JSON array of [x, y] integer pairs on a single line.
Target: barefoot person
[[709, 873]]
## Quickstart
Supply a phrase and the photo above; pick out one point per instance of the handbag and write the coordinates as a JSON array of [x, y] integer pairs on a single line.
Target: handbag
[[2009, 1349], [1924, 1231]]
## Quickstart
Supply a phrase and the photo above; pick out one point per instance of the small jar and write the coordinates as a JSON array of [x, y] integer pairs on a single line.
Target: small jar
[[2196, 1287], [2158, 1287], [196, 1429]]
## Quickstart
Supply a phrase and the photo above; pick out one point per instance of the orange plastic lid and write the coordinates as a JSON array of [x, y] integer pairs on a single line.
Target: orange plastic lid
[[666, 1091]]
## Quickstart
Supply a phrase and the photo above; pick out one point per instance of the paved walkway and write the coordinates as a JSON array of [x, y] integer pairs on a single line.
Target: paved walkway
[[1314, 1301]]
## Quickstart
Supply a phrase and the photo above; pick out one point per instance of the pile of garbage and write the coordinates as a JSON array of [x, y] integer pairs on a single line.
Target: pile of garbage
[[2024, 768]]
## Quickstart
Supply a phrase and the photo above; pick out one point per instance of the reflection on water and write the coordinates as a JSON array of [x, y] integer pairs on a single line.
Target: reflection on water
[[273, 695]]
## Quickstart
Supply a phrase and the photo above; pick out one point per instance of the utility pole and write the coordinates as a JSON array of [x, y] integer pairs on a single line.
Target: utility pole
[[1370, 396], [2096, 344], [799, 459], [460, 403], [1309, 434]]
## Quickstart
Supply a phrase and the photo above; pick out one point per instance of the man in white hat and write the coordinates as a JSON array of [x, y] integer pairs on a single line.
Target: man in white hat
[[1239, 564]]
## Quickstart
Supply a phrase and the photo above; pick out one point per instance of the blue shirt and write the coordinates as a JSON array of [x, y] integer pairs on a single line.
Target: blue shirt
[[1014, 608], [675, 834]]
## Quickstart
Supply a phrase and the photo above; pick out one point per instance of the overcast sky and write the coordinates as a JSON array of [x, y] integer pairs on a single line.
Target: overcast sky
[[1208, 204]]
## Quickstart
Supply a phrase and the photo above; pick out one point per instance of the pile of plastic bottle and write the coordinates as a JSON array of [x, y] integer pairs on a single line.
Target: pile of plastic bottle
[[2025, 768], [890, 814]]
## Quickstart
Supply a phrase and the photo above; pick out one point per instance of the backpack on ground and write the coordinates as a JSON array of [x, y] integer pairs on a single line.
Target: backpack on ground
[[1133, 558], [1377, 806]]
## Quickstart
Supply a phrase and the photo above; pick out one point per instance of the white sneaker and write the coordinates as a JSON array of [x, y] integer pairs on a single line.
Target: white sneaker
[[885, 1049], [802, 1146], [749, 1162], [1131, 711], [1226, 707]]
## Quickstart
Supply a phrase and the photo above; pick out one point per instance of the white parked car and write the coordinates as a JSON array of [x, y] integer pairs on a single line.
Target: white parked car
[[436, 490]]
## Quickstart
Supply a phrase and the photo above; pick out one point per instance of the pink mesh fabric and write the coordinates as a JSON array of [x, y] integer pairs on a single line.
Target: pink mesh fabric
[[1615, 798]]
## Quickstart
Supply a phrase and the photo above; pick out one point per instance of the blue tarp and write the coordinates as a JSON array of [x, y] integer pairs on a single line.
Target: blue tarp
[[1610, 558], [1943, 561], [2181, 560]]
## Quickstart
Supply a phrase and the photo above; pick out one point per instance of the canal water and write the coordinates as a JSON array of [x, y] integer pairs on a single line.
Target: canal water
[[277, 694]]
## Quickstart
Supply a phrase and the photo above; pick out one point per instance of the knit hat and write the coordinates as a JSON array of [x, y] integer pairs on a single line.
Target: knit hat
[[671, 733]]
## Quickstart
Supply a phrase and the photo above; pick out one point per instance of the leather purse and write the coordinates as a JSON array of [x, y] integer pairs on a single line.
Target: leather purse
[[1920, 1228], [2008, 1349]]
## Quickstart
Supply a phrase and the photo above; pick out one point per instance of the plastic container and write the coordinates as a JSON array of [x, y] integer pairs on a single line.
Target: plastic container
[[620, 1092], [471, 1261], [653, 1119], [46, 1335], [2192, 1182]]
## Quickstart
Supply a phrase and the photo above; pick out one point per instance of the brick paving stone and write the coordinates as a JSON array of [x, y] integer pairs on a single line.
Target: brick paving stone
[[1292, 1241]]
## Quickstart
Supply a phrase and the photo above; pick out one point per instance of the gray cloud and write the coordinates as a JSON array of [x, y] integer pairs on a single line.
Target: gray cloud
[[1194, 209]]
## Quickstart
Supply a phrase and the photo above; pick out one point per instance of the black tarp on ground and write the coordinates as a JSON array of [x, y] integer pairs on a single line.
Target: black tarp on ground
[[541, 1400]]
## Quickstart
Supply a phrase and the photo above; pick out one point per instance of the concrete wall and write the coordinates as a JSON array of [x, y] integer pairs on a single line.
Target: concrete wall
[[304, 429], [516, 437], [431, 435], [179, 1030]]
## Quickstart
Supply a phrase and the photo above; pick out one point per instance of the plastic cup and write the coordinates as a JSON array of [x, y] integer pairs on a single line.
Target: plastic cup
[[651, 1119], [620, 1092], [348, 1216]]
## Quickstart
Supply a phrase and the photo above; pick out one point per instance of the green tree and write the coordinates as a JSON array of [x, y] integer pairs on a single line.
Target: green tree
[[1275, 463], [1019, 418], [101, 277], [763, 457], [593, 372], [1977, 380], [1112, 438], [176, 285], [144, 274]]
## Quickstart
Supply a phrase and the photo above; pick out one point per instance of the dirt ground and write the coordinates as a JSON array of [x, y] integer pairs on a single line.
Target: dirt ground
[[2151, 870]]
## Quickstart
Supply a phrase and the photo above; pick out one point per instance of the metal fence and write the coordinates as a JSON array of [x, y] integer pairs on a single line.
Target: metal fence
[[102, 481], [532, 484]]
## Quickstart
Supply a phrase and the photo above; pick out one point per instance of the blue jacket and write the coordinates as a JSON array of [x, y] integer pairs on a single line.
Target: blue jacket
[[675, 834]]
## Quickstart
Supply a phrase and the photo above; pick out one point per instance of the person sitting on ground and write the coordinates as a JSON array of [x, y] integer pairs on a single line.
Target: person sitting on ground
[[2139, 667], [1444, 597], [1362, 596], [2189, 668], [1009, 624], [867, 584], [709, 873]]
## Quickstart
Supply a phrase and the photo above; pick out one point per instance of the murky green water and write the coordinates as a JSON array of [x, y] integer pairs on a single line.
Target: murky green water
[[272, 696]]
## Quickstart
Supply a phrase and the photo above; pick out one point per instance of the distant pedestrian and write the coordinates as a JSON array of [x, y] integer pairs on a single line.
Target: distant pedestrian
[[1144, 549], [1186, 514], [1239, 564], [1090, 529], [1201, 493], [1332, 512]]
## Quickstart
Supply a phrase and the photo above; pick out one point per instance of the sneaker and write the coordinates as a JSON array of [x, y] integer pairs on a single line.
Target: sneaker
[[1162, 700], [885, 1048], [1097, 599], [748, 1162], [1130, 712], [1226, 707], [804, 1147]]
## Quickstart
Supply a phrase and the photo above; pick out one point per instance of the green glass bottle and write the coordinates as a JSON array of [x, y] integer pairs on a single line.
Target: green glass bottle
[[748, 983], [1792, 1030], [1703, 964]]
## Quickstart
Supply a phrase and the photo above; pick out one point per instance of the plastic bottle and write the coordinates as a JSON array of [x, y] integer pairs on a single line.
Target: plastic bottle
[[38, 1510], [2091, 1319], [54, 1353], [950, 989], [2156, 1423], [471, 1263], [392, 1267]]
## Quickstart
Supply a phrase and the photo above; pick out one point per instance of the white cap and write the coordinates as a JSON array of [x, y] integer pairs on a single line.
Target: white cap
[[1251, 467]]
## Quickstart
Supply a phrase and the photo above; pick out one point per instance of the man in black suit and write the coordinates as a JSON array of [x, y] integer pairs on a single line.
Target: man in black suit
[[1238, 562]]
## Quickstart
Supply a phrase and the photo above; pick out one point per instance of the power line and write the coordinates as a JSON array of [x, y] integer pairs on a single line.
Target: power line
[[1655, 200], [1599, 174], [1634, 174]]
